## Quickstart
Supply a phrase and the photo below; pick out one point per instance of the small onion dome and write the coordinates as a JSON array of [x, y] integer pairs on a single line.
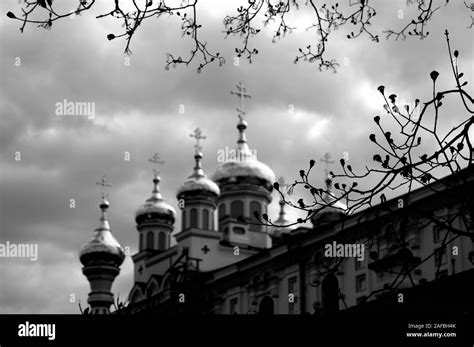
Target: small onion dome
[[245, 167], [335, 209], [277, 232], [155, 207], [198, 183], [102, 246]]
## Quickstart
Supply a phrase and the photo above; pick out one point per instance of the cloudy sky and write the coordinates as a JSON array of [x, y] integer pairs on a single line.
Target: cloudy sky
[[137, 110]]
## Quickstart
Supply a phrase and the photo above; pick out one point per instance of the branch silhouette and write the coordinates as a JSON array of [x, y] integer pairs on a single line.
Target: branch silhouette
[[245, 23], [419, 154]]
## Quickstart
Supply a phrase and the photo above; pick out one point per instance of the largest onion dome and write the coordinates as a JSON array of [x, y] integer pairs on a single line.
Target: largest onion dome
[[244, 167], [334, 208], [102, 246], [198, 183], [155, 208]]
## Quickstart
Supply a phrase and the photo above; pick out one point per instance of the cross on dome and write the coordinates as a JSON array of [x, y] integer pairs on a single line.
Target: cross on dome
[[105, 183], [241, 94], [197, 134], [326, 159], [155, 159]]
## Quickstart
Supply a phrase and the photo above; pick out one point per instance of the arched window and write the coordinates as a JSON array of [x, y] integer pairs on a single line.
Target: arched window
[[221, 211], [236, 209], [266, 306], [150, 240], [194, 218], [255, 207], [205, 219], [161, 241], [330, 294], [141, 246], [183, 222]]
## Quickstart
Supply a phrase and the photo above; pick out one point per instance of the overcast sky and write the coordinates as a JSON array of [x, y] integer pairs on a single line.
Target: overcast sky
[[137, 111]]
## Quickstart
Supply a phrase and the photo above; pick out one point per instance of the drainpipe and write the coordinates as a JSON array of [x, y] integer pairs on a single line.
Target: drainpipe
[[302, 287]]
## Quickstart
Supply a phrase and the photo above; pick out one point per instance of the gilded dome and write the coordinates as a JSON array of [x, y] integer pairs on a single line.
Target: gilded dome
[[249, 167], [198, 182], [103, 245], [155, 207], [244, 165]]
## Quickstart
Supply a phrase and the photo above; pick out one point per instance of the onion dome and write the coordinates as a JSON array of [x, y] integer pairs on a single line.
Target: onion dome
[[198, 183], [334, 208], [245, 167], [155, 208], [103, 245]]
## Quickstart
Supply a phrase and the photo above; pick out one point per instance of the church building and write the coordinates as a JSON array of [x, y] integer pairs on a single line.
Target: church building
[[221, 260]]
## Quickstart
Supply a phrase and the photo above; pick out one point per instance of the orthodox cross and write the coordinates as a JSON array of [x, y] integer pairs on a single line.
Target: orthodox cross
[[198, 136], [241, 94], [156, 161], [205, 249], [105, 183], [326, 159]]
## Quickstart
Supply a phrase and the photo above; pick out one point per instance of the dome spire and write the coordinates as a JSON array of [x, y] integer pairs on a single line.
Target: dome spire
[[198, 171], [155, 207], [155, 159], [198, 181], [328, 180], [104, 205], [242, 124], [101, 256]]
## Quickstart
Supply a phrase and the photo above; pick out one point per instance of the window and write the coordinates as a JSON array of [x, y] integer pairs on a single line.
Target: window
[[236, 209], [205, 219], [358, 264], [238, 230], [330, 293], [255, 207], [438, 233], [161, 241], [150, 240], [292, 283], [233, 306], [361, 283], [185, 225], [141, 242], [194, 218], [440, 256]]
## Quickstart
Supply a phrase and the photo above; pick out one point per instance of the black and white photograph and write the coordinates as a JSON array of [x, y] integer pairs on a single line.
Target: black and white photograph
[[245, 171]]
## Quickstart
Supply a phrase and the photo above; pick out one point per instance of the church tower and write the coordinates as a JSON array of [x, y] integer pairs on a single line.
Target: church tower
[[155, 223], [246, 185], [101, 256], [199, 196]]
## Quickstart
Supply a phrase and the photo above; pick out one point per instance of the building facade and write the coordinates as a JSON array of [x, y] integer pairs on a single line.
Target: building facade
[[223, 261]]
